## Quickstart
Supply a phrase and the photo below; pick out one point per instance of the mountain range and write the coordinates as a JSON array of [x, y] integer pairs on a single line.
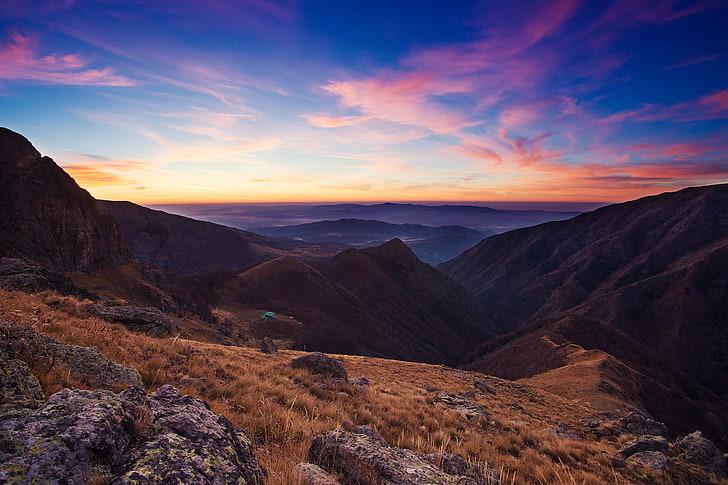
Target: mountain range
[[249, 216], [623, 307], [433, 245]]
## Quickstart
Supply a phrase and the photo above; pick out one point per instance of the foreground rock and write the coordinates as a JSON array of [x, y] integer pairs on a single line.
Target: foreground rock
[[318, 363], [466, 407], [145, 319], [313, 475], [654, 460], [644, 443], [694, 448], [363, 459], [18, 386], [127, 438], [85, 363]]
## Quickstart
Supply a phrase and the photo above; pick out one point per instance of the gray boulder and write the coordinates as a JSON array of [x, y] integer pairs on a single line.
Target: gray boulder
[[18, 386], [644, 443], [313, 475], [268, 347], [318, 363], [636, 424], [466, 407], [694, 448], [654, 460], [126, 438], [144, 319], [362, 459], [85, 363]]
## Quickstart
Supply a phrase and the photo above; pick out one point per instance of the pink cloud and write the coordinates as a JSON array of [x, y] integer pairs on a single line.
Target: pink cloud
[[19, 61], [405, 100], [692, 62], [325, 121], [479, 152], [716, 102], [678, 151]]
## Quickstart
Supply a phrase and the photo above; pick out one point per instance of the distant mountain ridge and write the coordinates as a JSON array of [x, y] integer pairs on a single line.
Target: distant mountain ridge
[[432, 245], [248, 216]]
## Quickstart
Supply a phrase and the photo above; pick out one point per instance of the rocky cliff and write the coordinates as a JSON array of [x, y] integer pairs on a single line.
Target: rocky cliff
[[47, 218]]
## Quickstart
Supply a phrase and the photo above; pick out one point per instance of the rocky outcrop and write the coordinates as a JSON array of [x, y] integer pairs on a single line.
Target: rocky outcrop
[[363, 459], [144, 319], [268, 347], [654, 460], [128, 438], [466, 407], [318, 363], [637, 424], [644, 443], [19, 275], [694, 448], [47, 218], [84, 363], [314, 475], [18, 386]]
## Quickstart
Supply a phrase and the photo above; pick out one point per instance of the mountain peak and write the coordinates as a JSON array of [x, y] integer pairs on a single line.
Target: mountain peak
[[15, 148], [46, 217]]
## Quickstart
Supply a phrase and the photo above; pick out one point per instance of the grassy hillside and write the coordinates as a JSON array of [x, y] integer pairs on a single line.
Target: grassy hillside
[[281, 408]]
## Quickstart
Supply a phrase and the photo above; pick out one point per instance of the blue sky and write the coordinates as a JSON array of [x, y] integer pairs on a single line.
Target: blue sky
[[241, 101]]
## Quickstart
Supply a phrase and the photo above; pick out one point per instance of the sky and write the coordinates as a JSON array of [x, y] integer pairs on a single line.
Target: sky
[[300, 101]]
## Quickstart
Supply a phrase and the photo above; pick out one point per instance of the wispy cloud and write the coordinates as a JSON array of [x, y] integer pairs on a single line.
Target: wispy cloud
[[98, 171], [692, 62], [20, 60]]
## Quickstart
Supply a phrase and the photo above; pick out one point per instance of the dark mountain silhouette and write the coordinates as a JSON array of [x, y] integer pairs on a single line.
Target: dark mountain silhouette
[[378, 301], [432, 245], [655, 268], [47, 218], [183, 245]]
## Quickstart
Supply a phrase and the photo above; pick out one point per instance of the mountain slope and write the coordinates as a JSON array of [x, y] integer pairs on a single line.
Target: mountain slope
[[183, 245], [47, 218], [583, 359], [655, 268], [379, 301]]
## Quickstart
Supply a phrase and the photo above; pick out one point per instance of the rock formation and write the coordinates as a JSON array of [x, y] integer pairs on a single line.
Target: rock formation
[[318, 363], [146, 319], [367, 460], [47, 218], [85, 363]]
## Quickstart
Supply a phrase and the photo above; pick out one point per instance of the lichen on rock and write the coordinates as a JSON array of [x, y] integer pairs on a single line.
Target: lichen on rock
[[126, 438]]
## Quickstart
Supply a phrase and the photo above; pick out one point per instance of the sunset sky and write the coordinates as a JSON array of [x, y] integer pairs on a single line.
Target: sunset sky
[[237, 101]]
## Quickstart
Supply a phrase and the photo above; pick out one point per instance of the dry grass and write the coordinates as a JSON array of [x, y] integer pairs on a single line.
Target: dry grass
[[281, 409]]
